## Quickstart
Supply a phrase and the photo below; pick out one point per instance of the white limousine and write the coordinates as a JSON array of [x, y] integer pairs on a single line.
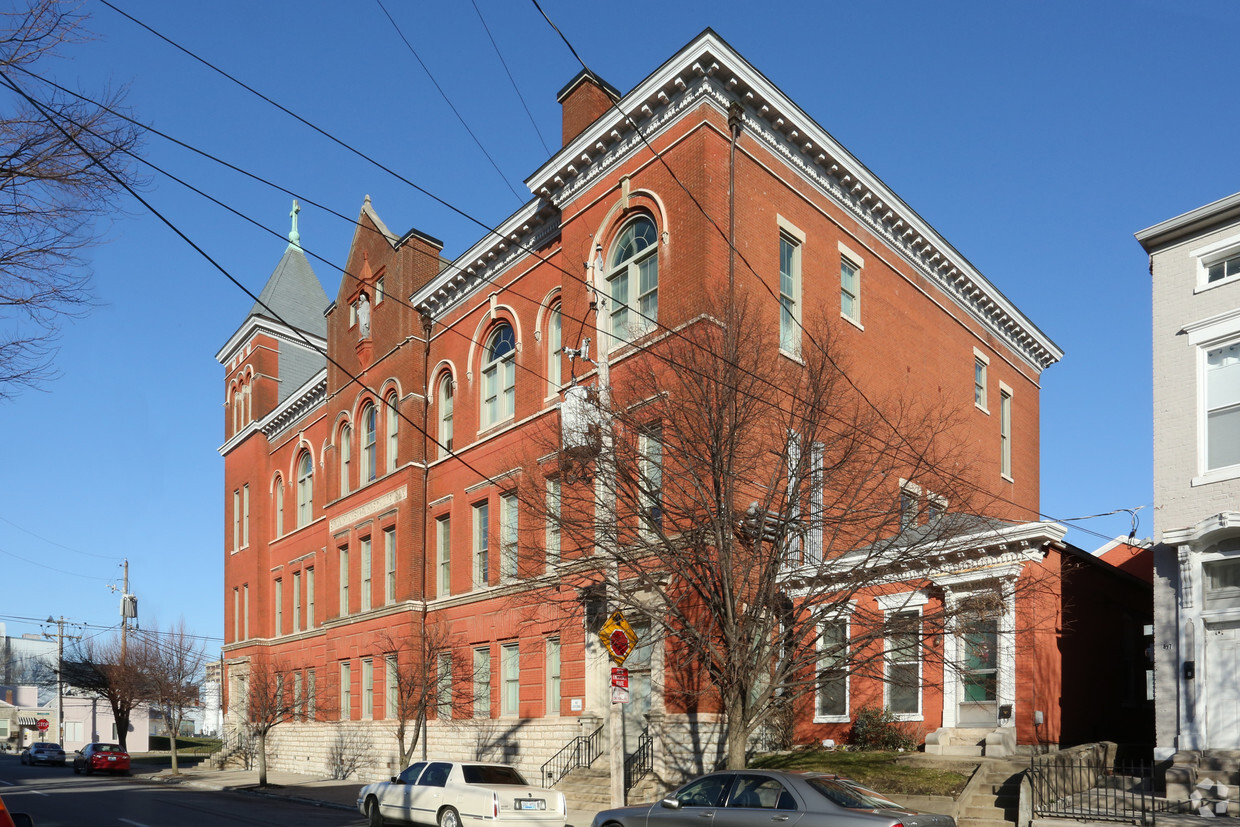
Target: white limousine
[[461, 794]]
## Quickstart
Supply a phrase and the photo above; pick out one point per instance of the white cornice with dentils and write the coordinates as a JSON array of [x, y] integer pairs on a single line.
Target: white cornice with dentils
[[309, 396], [277, 330], [524, 232], [709, 70]]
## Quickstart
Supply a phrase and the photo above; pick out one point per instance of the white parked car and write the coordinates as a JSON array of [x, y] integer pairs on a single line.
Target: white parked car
[[452, 794]]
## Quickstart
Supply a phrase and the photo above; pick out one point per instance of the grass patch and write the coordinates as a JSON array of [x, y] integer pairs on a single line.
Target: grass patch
[[881, 771], [185, 746]]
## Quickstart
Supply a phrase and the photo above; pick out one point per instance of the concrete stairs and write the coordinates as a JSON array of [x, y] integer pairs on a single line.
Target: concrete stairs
[[992, 798], [589, 788], [958, 741]]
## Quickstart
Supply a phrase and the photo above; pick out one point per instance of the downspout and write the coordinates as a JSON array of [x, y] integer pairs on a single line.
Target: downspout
[[426, 477], [734, 125]]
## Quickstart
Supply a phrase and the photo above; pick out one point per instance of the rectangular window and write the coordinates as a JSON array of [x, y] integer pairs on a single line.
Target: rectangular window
[[389, 565], [553, 520], [391, 686], [236, 630], [789, 294], [237, 520], [444, 687], [553, 676], [352, 314], [245, 611], [1222, 378], [1224, 269], [979, 383], [508, 537], [443, 545], [850, 290], [279, 607], [379, 290], [1005, 432], [482, 539], [482, 683], [510, 677], [650, 451], [311, 696], [296, 601], [279, 508], [904, 663], [309, 598], [344, 580], [832, 685], [367, 569], [346, 691], [245, 515], [368, 689], [1222, 584]]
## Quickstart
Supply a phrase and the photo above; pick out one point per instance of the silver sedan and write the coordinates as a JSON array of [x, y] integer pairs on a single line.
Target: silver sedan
[[753, 797]]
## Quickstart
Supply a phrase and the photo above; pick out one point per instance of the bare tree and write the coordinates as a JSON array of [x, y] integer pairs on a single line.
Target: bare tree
[[115, 669], [54, 187], [270, 698], [737, 504], [175, 678], [419, 682]]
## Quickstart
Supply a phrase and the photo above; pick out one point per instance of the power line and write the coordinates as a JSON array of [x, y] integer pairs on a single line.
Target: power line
[[447, 100], [56, 544], [511, 79]]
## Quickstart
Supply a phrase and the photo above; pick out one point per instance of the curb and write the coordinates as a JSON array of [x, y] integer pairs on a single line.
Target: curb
[[204, 785]]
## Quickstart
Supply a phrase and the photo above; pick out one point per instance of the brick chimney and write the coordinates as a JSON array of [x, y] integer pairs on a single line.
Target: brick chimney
[[584, 100]]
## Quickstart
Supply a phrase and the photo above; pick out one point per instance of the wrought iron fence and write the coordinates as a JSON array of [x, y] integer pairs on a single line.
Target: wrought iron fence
[[640, 762], [1088, 787], [581, 751]]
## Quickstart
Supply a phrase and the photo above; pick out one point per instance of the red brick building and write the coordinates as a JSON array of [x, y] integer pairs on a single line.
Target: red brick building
[[347, 522]]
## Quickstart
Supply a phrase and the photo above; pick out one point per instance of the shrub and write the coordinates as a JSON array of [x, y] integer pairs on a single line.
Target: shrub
[[878, 729]]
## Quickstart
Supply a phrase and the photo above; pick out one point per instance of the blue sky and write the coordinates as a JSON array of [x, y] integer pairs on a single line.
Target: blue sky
[[1036, 137]]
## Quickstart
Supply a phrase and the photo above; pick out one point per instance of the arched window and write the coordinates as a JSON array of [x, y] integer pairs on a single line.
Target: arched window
[[370, 424], [555, 348], [236, 411], [633, 281], [499, 376], [279, 506], [346, 458], [393, 424], [305, 488], [247, 415], [445, 414]]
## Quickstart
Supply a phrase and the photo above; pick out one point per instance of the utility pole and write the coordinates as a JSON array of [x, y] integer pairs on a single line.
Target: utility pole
[[60, 679], [129, 608]]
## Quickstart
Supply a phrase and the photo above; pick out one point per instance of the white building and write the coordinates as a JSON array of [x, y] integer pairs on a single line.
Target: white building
[[1195, 269]]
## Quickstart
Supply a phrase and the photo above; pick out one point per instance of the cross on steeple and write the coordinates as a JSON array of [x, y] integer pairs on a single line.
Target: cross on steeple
[[294, 237]]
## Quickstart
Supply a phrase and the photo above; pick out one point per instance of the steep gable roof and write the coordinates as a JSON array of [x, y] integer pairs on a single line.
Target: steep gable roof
[[293, 295]]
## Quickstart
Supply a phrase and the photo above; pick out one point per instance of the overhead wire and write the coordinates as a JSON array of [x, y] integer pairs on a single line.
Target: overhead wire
[[464, 214], [511, 79], [447, 100]]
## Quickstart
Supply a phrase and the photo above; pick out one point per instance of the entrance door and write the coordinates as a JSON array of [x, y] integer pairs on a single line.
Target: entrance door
[[635, 710], [1222, 690], [979, 678]]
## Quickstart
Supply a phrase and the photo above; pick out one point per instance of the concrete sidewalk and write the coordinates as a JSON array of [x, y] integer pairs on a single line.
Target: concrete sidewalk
[[307, 789]]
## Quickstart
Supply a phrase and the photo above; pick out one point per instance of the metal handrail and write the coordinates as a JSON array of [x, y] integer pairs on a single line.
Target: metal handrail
[[581, 751], [641, 762]]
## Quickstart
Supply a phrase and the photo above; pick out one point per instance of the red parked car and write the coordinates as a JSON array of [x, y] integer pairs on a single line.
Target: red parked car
[[105, 757]]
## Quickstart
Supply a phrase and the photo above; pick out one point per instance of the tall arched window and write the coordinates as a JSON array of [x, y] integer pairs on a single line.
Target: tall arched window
[[370, 424], [305, 488], [346, 458], [236, 411], [499, 376], [555, 348], [633, 281], [393, 424], [247, 415], [279, 506], [445, 414]]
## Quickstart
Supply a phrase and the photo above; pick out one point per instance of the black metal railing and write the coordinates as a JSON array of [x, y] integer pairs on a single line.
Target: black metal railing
[[640, 762], [582, 751], [1088, 787]]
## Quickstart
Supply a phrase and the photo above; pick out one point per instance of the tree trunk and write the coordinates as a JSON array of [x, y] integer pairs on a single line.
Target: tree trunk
[[262, 758], [738, 737], [122, 730], [172, 742]]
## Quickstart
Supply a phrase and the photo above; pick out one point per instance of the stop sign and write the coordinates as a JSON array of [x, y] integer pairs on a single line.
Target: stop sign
[[43, 725]]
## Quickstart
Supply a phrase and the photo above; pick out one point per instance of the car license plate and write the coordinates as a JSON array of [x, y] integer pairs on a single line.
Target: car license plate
[[531, 804], [111, 757]]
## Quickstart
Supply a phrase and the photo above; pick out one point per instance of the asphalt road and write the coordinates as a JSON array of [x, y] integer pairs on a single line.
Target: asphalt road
[[55, 797]]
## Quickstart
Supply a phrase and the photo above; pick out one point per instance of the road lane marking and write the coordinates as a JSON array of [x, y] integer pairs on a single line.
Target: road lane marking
[[9, 783], [134, 823]]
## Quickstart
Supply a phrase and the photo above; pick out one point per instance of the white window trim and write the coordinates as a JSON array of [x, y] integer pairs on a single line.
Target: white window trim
[[509, 652], [554, 541], [553, 710], [391, 688], [496, 367], [482, 659], [850, 254], [921, 665], [481, 579], [638, 325], [846, 619], [368, 689], [346, 690], [984, 360], [509, 533], [443, 555], [796, 236], [1206, 335], [367, 571], [1005, 392], [1220, 250], [389, 565]]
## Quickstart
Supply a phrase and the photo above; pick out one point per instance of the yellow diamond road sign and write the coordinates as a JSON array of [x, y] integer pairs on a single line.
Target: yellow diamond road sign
[[618, 638]]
